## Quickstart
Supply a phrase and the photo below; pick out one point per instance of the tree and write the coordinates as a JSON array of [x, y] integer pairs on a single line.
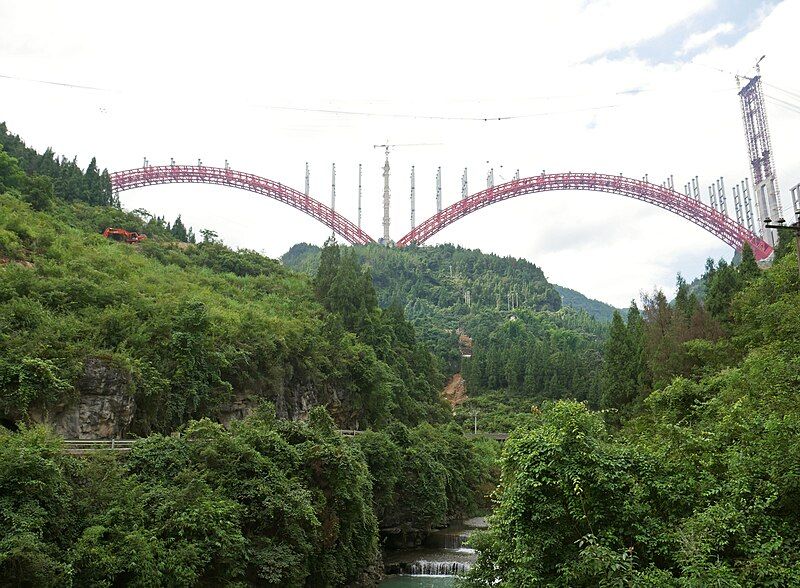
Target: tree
[[179, 231], [723, 284], [619, 383], [637, 342], [91, 184], [209, 236], [38, 191], [11, 176], [344, 287], [685, 301], [748, 268], [328, 267]]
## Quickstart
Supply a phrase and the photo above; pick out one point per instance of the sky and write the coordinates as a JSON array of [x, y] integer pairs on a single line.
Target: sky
[[614, 86]]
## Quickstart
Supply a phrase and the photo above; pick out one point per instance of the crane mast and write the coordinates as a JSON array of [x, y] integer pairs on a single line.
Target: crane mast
[[386, 240]]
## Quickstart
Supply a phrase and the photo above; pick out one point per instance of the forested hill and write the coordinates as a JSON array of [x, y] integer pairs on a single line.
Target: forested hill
[[445, 288], [574, 299], [442, 276], [450, 271], [496, 320]]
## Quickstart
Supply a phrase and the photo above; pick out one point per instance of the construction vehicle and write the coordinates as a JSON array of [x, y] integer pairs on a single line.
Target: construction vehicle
[[122, 235]]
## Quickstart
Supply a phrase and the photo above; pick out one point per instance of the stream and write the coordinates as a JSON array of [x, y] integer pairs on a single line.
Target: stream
[[441, 558]]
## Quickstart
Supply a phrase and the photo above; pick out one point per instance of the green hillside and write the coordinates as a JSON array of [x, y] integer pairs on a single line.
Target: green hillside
[[523, 346], [574, 299]]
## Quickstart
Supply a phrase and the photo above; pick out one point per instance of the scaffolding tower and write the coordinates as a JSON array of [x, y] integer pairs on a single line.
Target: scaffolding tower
[[759, 149]]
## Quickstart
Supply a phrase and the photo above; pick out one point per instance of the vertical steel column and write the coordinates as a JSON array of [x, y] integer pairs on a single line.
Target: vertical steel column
[[712, 196], [333, 187], [723, 205], [359, 195], [439, 189], [413, 197], [795, 192], [737, 204], [752, 221], [386, 197]]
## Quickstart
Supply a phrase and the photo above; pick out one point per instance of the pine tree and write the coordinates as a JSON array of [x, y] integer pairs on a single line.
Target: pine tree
[[725, 282], [91, 184], [106, 194], [748, 268], [178, 230], [636, 339], [685, 301], [618, 387], [328, 268]]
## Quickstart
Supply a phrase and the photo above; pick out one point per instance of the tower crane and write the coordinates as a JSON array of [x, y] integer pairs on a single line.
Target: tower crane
[[386, 194]]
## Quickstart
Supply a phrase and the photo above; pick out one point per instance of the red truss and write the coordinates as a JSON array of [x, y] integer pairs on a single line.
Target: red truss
[[693, 210], [197, 174]]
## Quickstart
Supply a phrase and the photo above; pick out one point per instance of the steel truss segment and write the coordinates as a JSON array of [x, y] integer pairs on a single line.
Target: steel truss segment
[[194, 174], [684, 206]]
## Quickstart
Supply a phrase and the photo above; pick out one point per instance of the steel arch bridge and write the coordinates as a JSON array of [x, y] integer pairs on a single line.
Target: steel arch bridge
[[713, 221], [200, 174], [704, 216]]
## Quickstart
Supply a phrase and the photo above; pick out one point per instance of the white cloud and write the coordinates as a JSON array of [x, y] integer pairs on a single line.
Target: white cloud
[[699, 40]]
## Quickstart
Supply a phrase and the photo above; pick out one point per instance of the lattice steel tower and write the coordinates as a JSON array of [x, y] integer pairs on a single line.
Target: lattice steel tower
[[759, 148], [386, 199]]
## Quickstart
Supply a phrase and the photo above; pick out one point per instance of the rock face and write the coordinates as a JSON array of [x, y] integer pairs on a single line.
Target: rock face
[[295, 402], [240, 406], [104, 406], [104, 409]]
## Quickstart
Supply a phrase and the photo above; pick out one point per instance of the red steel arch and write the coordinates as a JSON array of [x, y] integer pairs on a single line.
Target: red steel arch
[[200, 174], [693, 210]]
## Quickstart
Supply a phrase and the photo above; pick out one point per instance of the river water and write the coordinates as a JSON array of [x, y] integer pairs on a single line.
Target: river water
[[436, 564]]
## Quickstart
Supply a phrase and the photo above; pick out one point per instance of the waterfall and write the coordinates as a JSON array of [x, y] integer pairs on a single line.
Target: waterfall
[[437, 568], [443, 554]]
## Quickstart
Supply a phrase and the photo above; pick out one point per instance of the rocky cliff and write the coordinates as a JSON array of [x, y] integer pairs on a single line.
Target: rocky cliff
[[103, 409], [104, 406]]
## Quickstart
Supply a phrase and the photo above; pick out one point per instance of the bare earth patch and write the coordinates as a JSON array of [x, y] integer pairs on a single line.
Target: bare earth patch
[[455, 392]]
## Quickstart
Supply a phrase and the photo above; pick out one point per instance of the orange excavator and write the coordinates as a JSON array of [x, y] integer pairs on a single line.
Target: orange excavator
[[124, 236]]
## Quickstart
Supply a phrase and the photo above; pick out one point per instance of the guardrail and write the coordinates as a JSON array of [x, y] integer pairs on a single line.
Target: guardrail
[[495, 436], [80, 446]]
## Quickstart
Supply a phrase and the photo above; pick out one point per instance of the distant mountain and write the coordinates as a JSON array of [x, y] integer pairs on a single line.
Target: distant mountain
[[574, 299], [448, 290], [445, 276]]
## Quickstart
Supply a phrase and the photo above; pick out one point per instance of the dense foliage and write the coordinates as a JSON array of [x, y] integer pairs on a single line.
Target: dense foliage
[[665, 340], [191, 325], [270, 503], [425, 476], [45, 175], [441, 287], [526, 346], [700, 486], [536, 355]]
